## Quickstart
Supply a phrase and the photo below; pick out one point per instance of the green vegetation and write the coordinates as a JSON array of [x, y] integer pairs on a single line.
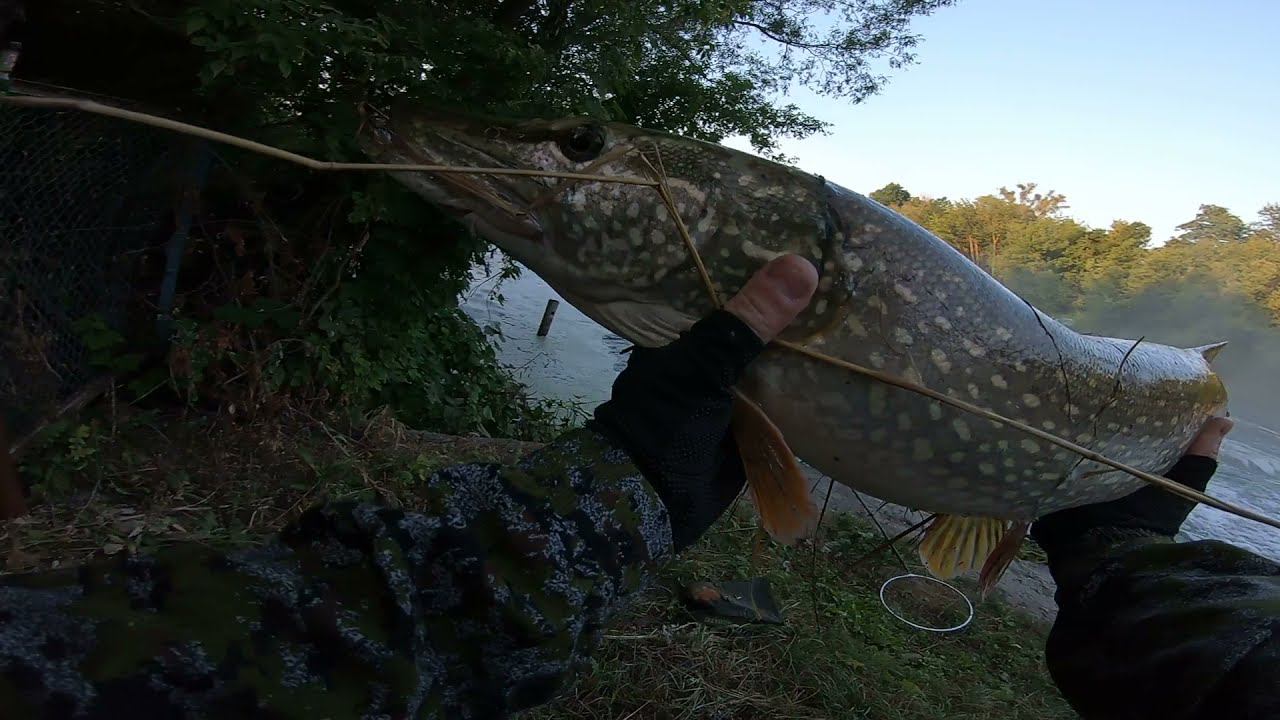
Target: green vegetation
[[139, 479], [339, 291], [122, 477], [849, 660], [310, 302], [1217, 279], [316, 318], [702, 68]]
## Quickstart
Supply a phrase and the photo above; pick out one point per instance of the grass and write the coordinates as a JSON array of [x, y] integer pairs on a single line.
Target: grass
[[140, 480], [850, 660]]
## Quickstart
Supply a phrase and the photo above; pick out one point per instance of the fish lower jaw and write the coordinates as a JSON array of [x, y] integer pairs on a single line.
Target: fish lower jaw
[[507, 231]]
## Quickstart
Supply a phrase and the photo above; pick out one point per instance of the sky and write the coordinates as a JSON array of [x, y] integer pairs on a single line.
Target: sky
[[1133, 109]]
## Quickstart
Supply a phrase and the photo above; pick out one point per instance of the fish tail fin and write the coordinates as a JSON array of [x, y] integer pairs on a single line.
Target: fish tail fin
[[778, 485], [1002, 557], [1210, 352], [953, 544]]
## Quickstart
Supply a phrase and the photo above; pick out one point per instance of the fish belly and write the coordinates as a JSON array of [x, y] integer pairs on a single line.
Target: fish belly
[[914, 451]]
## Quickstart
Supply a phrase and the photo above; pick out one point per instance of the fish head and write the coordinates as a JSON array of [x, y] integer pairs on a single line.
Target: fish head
[[613, 248]]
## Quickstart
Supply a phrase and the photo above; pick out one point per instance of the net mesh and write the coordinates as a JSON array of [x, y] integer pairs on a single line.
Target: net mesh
[[82, 200]]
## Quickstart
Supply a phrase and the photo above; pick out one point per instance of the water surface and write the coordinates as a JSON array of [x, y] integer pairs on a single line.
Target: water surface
[[578, 361]]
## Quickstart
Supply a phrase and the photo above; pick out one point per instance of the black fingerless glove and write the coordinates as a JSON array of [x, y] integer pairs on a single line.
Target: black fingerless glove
[[670, 412], [1149, 511]]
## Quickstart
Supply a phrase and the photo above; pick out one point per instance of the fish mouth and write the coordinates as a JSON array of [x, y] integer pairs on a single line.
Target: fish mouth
[[496, 206], [513, 211]]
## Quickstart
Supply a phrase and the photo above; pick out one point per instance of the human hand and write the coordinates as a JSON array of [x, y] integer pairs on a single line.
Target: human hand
[[1149, 509], [671, 406], [1209, 440]]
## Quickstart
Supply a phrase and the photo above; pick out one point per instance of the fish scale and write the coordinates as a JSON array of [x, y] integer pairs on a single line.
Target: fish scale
[[891, 296]]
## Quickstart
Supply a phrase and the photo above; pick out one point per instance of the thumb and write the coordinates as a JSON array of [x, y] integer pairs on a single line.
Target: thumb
[[1207, 443], [775, 295]]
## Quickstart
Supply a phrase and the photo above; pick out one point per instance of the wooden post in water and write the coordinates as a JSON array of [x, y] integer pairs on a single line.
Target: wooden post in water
[[547, 316]]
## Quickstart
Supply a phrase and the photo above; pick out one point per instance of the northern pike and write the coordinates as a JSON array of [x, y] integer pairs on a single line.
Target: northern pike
[[891, 296]]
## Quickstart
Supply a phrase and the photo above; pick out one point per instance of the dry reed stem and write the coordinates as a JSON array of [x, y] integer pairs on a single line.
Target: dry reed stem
[[256, 147], [659, 185]]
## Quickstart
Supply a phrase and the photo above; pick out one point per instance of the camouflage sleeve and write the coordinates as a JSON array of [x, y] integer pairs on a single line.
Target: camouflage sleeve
[[1152, 628], [476, 607]]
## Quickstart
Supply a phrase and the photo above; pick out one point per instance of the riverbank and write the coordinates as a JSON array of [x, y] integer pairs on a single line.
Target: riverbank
[[839, 655], [140, 480], [1026, 586]]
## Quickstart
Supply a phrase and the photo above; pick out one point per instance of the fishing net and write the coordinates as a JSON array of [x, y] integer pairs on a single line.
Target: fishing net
[[82, 197]]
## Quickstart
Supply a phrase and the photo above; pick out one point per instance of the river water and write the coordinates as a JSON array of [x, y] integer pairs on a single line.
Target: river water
[[578, 360]]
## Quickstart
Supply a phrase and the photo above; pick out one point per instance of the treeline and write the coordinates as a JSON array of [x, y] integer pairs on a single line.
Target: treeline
[[1217, 278]]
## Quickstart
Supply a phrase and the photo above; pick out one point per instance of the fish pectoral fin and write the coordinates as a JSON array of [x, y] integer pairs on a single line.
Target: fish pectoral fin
[[643, 323], [954, 544], [1002, 557], [778, 485]]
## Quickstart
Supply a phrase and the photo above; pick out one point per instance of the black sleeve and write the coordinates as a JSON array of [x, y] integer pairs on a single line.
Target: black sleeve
[[1151, 628], [479, 605]]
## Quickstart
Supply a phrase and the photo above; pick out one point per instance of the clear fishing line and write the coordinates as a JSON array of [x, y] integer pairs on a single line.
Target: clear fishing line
[[927, 628]]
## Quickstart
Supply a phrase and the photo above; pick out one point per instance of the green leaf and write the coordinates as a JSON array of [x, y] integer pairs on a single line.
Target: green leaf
[[240, 315], [127, 363], [196, 23]]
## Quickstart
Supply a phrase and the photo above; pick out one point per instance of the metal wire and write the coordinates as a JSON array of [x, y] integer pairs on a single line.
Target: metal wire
[[916, 625]]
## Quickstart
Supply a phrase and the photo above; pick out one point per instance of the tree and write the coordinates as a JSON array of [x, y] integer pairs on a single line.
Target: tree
[[1057, 245], [1162, 265], [1107, 257], [974, 227], [1213, 224], [1268, 225], [951, 221], [891, 195], [706, 68], [1041, 204], [1251, 268], [1045, 289], [929, 214], [369, 271], [1132, 236]]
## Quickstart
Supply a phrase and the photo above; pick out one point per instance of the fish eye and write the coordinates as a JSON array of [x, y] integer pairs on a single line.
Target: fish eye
[[583, 142]]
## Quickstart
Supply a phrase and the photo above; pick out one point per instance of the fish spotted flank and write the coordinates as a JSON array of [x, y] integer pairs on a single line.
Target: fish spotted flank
[[891, 296]]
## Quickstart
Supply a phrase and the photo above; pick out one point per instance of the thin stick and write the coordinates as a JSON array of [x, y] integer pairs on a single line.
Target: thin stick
[[1161, 482], [1164, 483], [889, 543], [220, 137], [688, 241], [558, 189], [883, 533], [665, 194], [813, 556]]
